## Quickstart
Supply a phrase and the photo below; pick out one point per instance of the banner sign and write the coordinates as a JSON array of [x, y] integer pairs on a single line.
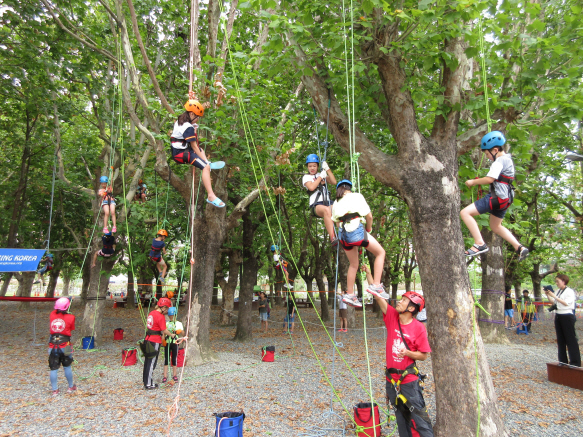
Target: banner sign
[[20, 260]]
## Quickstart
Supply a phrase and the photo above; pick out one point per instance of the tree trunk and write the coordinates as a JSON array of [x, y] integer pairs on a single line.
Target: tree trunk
[[228, 288], [66, 285], [130, 291], [95, 302], [324, 308], [492, 300], [394, 290], [248, 280], [6, 283], [53, 279], [215, 299], [537, 278], [86, 279], [408, 284], [26, 288]]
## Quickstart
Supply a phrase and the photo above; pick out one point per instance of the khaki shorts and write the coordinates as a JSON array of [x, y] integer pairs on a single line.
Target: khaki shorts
[[343, 313]]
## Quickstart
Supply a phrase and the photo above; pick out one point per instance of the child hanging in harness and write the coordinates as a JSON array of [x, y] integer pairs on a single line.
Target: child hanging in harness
[[107, 203], [60, 348], [186, 150], [48, 260], [155, 254], [108, 248], [279, 263], [496, 203], [320, 202], [351, 210], [141, 192]]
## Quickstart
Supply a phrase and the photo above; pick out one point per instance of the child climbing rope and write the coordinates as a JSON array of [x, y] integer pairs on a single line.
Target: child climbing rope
[[280, 263], [48, 261], [406, 343], [351, 210], [320, 202], [60, 349], [141, 192], [496, 203], [186, 150], [155, 255], [171, 347], [108, 248], [156, 324], [107, 203]]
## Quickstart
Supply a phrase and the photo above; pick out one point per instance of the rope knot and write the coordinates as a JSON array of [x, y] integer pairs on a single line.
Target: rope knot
[[192, 261]]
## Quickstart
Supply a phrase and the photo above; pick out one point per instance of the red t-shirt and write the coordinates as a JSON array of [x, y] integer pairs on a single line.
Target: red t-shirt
[[416, 337], [156, 322], [61, 324]]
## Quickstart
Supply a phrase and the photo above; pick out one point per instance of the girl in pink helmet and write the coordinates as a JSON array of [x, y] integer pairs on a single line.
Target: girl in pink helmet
[[60, 348]]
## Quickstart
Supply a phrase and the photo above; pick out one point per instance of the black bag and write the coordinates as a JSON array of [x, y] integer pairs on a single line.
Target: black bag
[[148, 349]]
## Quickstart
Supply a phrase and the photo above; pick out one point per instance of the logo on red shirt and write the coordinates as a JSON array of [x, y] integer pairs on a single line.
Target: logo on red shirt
[[58, 325], [150, 321]]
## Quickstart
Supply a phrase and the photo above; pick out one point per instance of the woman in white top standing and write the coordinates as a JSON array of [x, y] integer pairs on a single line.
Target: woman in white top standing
[[351, 210], [315, 183], [185, 148], [565, 320]]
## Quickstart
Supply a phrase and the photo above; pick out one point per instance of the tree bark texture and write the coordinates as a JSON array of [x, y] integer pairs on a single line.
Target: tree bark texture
[[6, 283], [537, 278], [131, 291], [26, 288], [492, 327], [53, 279], [228, 288], [66, 285]]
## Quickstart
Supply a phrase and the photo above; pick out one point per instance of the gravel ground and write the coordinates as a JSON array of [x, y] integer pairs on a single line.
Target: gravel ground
[[284, 398]]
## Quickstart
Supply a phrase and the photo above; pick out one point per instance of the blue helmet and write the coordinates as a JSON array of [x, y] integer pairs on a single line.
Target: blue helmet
[[49, 255], [172, 311], [274, 248], [104, 179], [492, 139], [344, 181], [313, 158], [108, 234]]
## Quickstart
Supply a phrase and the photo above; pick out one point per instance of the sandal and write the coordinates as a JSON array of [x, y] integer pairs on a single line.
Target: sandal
[[164, 380], [334, 242], [522, 252], [478, 250], [217, 202], [217, 165]]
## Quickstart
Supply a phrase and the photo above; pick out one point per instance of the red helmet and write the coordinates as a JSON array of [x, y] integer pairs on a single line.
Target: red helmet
[[164, 302], [416, 298]]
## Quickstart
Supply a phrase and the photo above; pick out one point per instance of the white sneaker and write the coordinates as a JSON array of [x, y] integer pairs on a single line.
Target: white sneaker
[[288, 286], [378, 290], [352, 300]]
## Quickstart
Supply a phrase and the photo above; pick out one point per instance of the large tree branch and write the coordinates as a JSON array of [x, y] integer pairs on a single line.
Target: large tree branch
[[568, 205], [553, 269], [146, 59], [73, 233], [230, 21]]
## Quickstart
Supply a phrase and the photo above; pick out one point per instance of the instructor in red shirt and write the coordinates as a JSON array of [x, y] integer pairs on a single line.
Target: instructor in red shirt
[[406, 343], [156, 324]]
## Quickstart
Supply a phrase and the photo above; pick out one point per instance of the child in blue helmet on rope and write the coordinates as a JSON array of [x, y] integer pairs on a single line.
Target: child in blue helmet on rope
[[315, 183], [48, 260], [496, 203], [107, 203], [280, 264]]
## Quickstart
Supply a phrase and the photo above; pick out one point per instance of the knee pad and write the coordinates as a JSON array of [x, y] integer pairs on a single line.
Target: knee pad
[[54, 360], [66, 360]]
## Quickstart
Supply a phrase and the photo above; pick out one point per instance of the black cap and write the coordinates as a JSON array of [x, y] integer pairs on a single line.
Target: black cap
[[549, 287]]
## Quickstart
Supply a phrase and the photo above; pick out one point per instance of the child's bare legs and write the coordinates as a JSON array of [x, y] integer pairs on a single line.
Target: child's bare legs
[[352, 269], [105, 215], [467, 214], [174, 371], [206, 181], [326, 214], [162, 267], [112, 212], [94, 259], [496, 226], [165, 371], [343, 323], [377, 250]]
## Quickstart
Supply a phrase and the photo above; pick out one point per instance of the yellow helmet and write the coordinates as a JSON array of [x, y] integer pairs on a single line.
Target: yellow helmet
[[194, 106]]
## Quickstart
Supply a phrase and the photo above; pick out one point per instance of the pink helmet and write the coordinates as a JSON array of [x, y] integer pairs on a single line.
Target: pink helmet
[[62, 304]]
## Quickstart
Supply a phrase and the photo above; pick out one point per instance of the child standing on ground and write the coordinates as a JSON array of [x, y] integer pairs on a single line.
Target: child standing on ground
[[108, 248], [155, 255], [320, 201], [107, 203], [263, 306], [351, 210], [290, 315], [496, 203], [186, 150], [171, 348], [60, 349]]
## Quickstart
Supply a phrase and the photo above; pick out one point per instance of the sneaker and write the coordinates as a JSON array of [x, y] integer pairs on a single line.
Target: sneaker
[[288, 286], [345, 330], [37, 281], [162, 280], [151, 387], [164, 380], [334, 242], [378, 290], [351, 300], [55, 392], [114, 229], [341, 330], [105, 230], [175, 378], [72, 389]]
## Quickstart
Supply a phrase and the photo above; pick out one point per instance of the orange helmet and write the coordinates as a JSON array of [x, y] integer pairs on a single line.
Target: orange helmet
[[169, 294], [162, 232], [194, 106]]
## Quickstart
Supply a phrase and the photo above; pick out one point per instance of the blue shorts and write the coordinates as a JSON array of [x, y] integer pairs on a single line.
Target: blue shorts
[[289, 318], [358, 237], [509, 313], [107, 201], [263, 317], [42, 270], [484, 205]]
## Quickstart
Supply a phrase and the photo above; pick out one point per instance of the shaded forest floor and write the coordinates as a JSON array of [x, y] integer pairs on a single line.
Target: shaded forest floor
[[284, 398]]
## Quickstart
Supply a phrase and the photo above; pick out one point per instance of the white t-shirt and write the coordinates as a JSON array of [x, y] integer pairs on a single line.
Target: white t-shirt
[[422, 315], [185, 132], [325, 196], [341, 303], [569, 296], [502, 166], [349, 204]]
